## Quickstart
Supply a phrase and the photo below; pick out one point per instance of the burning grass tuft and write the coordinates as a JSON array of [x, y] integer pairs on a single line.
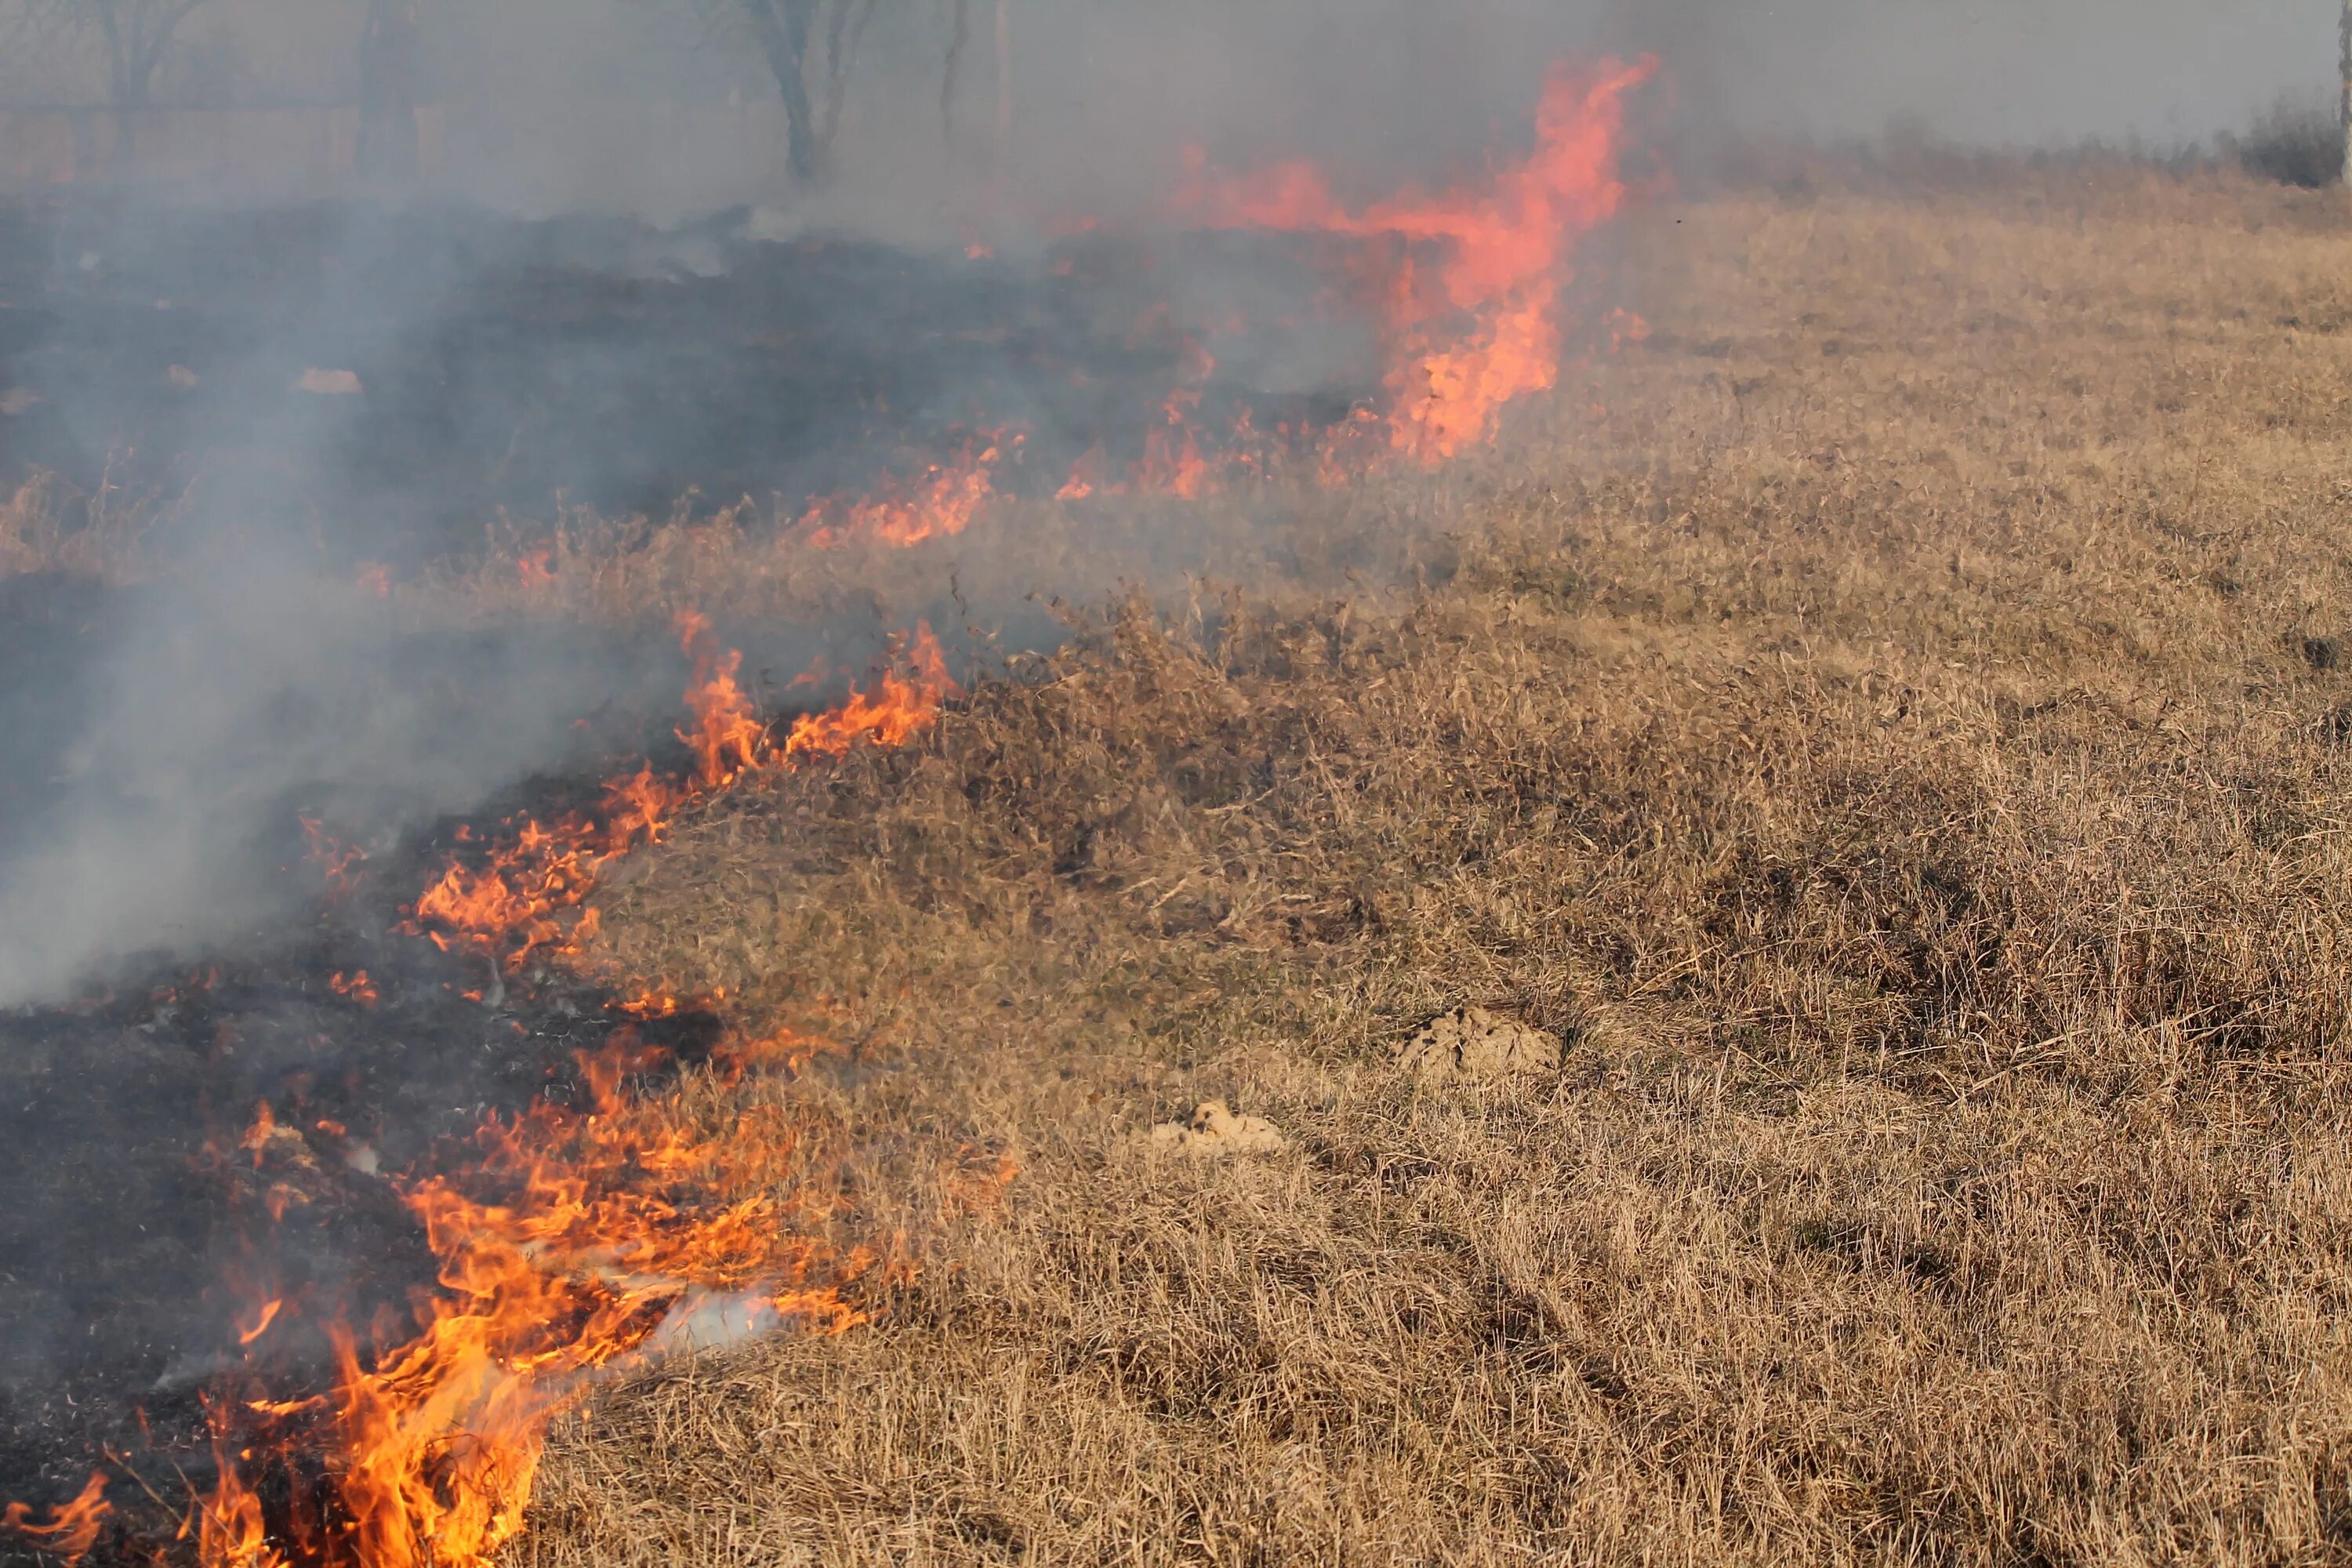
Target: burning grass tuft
[[46, 527]]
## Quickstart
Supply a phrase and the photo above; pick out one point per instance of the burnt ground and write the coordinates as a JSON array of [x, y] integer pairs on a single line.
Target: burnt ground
[[136, 1237], [503, 362], [158, 353], [139, 1235]]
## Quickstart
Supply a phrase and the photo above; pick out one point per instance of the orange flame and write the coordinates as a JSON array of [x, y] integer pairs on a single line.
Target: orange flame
[[941, 504], [1173, 462], [269, 1315], [228, 1525], [339, 863], [893, 710], [1486, 329], [507, 905], [1085, 477], [573, 1242], [727, 739], [72, 1528]]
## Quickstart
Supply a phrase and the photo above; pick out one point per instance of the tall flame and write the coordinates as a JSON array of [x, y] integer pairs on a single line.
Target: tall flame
[[727, 740], [1485, 330]]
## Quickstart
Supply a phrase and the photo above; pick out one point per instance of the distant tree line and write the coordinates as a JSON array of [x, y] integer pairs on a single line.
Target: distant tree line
[[810, 48]]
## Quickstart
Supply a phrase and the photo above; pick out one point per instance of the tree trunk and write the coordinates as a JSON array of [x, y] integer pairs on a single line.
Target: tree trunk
[[783, 27], [2345, 56], [387, 146], [1004, 86], [129, 107], [126, 91]]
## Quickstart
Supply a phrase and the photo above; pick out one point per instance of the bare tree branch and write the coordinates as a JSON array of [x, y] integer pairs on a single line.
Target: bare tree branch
[[841, 59], [957, 41]]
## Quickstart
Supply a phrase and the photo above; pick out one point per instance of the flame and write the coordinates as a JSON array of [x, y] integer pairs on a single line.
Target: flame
[[228, 1526], [505, 907], [269, 1315], [1085, 477], [895, 710], [1484, 329], [375, 579], [260, 1133], [728, 740], [506, 904], [571, 1244], [941, 504], [356, 986], [72, 1528], [339, 863], [1173, 463]]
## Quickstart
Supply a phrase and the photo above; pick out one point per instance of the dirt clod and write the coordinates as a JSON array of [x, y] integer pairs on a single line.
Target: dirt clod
[[1470, 1042], [1216, 1131]]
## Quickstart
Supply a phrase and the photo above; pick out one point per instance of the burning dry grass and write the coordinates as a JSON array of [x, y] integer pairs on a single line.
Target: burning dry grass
[[1900, 742], [44, 526]]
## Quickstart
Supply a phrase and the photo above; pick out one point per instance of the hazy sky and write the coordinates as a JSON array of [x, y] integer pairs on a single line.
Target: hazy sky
[[1359, 71], [2012, 71], [1995, 70]]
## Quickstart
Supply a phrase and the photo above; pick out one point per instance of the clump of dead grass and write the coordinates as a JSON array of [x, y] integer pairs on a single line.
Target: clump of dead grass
[[46, 527]]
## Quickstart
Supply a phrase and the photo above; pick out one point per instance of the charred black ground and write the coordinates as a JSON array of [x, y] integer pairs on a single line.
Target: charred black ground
[[158, 357], [504, 363], [140, 1234]]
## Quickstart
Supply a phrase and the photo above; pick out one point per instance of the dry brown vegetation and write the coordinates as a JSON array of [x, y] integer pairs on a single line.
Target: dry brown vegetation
[[1890, 723], [44, 526]]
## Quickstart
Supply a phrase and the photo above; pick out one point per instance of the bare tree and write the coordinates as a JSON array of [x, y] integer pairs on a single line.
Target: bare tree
[[389, 64], [136, 35], [959, 36], [811, 47], [133, 39]]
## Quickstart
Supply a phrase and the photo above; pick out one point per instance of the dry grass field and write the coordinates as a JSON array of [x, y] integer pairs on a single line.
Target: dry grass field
[[1890, 723]]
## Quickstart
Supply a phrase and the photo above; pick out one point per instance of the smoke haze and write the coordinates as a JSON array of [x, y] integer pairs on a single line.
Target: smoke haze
[[205, 711]]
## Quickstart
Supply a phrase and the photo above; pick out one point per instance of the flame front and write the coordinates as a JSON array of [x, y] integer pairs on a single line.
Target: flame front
[[890, 714], [573, 1242], [569, 1242], [507, 906]]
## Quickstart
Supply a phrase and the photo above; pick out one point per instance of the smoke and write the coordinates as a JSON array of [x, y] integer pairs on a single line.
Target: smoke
[[162, 741]]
